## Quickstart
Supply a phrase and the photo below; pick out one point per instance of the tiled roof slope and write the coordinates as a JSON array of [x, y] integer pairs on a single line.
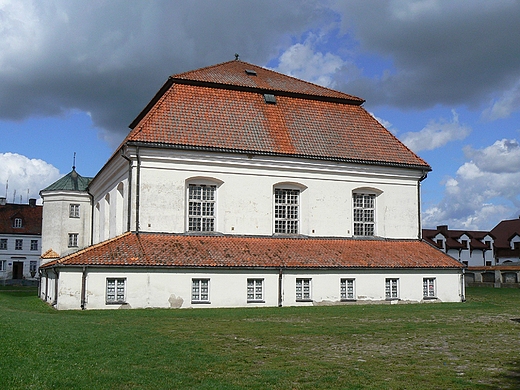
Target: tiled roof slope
[[70, 182], [220, 108], [504, 231], [169, 250], [452, 236], [31, 219]]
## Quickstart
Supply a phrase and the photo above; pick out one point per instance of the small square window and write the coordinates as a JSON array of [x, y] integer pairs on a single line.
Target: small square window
[[73, 240], [34, 245], [32, 266], [347, 289], [255, 290], [303, 289], [3, 243], [116, 290], [74, 211], [18, 244], [200, 291]]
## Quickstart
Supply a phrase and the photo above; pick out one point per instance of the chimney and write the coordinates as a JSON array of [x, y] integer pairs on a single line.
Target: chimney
[[32, 202], [3, 201], [442, 228]]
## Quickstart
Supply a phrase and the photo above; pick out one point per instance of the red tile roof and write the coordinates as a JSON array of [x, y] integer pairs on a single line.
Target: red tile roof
[[222, 108], [170, 250], [31, 219]]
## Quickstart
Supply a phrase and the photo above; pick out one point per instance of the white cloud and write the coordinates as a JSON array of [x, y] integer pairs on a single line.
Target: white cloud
[[484, 191], [436, 134], [301, 60], [386, 124], [508, 103], [23, 177]]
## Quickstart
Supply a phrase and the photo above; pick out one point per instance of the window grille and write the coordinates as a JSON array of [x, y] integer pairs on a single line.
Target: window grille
[[3, 243], [347, 288], [17, 223], [200, 290], [286, 211], [73, 240], [18, 244], [74, 211], [116, 290], [364, 214], [303, 289], [34, 245], [255, 289], [428, 287], [201, 208], [391, 291]]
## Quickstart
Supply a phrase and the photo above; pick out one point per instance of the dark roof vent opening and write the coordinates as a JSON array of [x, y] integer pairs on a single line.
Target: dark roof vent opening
[[269, 98], [251, 72]]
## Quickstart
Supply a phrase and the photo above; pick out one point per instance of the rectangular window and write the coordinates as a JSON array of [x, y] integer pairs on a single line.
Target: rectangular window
[[3, 243], [2, 265], [391, 289], [255, 290], [201, 208], [364, 214], [74, 211], [286, 211], [116, 290], [32, 266], [429, 288], [34, 245], [347, 289], [303, 289], [200, 290], [73, 240], [18, 244], [17, 223]]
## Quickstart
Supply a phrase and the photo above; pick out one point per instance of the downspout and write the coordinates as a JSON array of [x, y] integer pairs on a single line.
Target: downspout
[[57, 272], [424, 175], [280, 287], [137, 190], [128, 222], [83, 288], [91, 217], [46, 285], [463, 286]]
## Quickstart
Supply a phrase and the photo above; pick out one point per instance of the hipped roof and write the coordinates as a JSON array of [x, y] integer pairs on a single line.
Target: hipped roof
[[187, 251], [223, 108]]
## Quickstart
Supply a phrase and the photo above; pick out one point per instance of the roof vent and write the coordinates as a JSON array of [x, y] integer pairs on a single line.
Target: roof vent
[[251, 72], [269, 98]]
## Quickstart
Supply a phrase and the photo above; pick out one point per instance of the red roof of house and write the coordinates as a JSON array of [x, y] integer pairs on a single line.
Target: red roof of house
[[171, 250], [452, 236], [223, 108], [31, 218], [505, 231]]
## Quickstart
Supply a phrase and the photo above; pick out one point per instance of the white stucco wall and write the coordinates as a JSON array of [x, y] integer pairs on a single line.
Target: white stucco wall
[[171, 288], [245, 193], [57, 224]]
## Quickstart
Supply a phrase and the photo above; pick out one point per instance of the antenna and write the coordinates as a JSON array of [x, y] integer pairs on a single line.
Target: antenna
[[74, 162], [236, 56]]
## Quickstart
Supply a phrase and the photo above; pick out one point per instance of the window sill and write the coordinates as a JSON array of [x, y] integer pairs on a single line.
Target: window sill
[[392, 299], [304, 300], [256, 301], [429, 298], [201, 302], [348, 300], [116, 303]]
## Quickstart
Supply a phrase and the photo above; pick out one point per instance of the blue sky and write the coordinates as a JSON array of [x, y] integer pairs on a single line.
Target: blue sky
[[443, 76]]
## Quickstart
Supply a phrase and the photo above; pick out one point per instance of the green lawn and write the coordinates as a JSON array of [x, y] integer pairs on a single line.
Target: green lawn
[[471, 345]]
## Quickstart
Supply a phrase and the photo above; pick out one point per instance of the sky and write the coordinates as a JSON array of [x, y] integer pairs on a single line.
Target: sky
[[442, 76]]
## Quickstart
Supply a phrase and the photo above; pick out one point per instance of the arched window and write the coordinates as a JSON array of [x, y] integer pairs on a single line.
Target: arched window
[[287, 208], [364, 210], [201, 204]]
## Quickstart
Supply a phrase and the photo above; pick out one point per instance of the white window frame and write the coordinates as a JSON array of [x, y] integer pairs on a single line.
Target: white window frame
[[74, 210], [303, 289], [200, 212], [364, 213], [116, 290], [18, 244], [3, 243], [2, 265], [73, 240], [18, 223], [34, 245], [287, 210], [348, 289], [429, 288], [255, 290], [392, 288], [200, 290]]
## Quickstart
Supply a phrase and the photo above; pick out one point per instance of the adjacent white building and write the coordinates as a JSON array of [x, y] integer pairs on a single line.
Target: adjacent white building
[[20, 240], [240, 186]]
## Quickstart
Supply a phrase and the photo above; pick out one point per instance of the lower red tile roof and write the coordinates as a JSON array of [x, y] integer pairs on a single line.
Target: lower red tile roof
[[172, 250]]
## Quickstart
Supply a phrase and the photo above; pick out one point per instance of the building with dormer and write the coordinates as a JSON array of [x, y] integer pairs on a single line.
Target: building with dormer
[[240, 186], [20, 240]]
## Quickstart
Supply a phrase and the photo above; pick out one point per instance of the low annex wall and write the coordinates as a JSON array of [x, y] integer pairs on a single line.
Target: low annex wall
[[173, 288]]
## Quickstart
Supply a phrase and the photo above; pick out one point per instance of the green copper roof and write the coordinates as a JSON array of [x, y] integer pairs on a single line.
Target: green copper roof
[[70, 182]]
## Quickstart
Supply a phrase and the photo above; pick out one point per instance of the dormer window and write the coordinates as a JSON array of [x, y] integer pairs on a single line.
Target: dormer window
[[17, 223]]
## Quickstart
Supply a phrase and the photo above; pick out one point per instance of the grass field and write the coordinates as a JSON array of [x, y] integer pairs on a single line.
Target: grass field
[[471, 345]]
